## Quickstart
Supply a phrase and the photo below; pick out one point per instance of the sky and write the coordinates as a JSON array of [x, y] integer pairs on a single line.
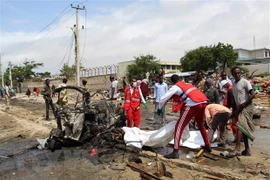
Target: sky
[[119, 30]]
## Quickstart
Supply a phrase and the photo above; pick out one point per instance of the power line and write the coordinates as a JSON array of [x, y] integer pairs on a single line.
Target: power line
[[69, 48], [85, 33], [27, 43], [57, 49]]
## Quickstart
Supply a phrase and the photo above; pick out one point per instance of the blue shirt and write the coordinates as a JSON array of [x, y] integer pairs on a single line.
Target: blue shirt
[[160, 90]]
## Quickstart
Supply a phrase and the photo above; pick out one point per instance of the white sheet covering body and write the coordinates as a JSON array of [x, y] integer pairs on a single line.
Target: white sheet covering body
[[159, 138]]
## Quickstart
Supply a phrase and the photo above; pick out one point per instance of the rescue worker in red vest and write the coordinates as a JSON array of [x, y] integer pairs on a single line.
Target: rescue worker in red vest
[[192, 103], [132, 101]]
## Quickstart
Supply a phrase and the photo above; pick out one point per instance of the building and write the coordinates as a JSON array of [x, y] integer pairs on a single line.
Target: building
[[169, 67], [254, 60], [255, 56]]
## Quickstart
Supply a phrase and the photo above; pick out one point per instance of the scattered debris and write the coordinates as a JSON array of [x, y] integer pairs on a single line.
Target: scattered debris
[[213, 177], [142, 170], [21, 136], [119, 167], [211, 156], [161, 169], [29, 159], [264, 126]]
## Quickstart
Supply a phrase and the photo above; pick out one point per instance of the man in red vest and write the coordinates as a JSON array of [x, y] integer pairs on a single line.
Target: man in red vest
[[132, 101], [193, 105]]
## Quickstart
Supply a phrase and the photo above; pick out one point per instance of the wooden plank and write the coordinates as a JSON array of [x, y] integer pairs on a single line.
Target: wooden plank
[[210, 156], [141, 169], [160, 169], [213, 177]]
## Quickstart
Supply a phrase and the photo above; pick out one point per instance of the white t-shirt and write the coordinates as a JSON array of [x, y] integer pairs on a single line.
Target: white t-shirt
[[241, 91], [114, 84]]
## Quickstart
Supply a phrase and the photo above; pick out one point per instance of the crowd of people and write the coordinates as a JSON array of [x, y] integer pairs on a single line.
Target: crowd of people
[[210, 100]]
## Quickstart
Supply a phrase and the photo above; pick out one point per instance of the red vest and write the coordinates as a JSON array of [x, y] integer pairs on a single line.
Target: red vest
[[133, 100], [177, 103], [225, 102], [188, 91]]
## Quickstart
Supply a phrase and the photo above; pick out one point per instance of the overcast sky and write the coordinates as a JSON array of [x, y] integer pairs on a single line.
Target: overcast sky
[[116, 31]]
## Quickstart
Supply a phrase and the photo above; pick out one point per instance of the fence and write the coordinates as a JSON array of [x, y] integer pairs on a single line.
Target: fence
[[97, 71]]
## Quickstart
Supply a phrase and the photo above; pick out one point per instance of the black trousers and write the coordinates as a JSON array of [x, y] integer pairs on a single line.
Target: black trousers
[[49, 103]]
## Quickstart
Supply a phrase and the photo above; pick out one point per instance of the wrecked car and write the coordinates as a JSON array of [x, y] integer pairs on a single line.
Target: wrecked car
[[83, 119]]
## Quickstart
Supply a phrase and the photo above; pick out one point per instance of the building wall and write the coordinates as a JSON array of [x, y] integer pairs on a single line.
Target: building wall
[[94, 83], [122, 67], [262, 68], [245, 54]]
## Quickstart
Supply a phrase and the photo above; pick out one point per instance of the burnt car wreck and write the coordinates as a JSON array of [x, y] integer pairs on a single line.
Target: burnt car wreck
[[82, 120]]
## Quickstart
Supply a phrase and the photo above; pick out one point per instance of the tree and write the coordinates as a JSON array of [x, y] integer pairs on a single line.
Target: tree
[[68, 71], [224, 55], [209, 58], [22, 72], [44, 75], [142, 65], [197, 59]]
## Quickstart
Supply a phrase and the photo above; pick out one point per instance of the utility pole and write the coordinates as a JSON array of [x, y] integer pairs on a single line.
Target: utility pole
[[10, 75], [1, 73], [77, 43]]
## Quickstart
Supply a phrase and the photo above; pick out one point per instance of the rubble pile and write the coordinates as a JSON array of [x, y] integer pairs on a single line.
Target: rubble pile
[[262, 83]]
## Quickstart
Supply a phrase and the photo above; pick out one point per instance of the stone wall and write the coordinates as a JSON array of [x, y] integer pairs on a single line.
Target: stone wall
[[94, 83]]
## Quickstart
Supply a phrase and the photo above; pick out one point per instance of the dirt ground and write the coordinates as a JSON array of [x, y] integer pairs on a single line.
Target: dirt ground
[[24, 122]]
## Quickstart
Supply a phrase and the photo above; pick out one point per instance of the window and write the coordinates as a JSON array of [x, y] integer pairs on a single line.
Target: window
[[265, 54]]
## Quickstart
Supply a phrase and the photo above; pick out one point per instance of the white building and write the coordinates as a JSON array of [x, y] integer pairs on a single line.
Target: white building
[[254, 60], [169, 67], [255, 56]]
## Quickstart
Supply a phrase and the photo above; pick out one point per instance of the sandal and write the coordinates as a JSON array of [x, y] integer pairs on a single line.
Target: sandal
[[245, 153]]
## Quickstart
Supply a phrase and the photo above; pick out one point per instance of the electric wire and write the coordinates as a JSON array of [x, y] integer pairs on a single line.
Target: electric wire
[[56, 50], [85, 34], [27, 41], [70, 52], [41, 36], [70, 45]]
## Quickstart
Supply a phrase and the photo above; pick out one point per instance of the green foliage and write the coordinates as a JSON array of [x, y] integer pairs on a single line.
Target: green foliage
[[68, 71], [44, 75], [209, 58], [22, 72], [143, 64], [197, 59]]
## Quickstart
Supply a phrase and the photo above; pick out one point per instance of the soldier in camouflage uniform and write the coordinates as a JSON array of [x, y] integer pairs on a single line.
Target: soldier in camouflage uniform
[[47, 95]]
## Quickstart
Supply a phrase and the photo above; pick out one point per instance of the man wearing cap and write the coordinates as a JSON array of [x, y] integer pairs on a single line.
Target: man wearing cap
[[113, 88]]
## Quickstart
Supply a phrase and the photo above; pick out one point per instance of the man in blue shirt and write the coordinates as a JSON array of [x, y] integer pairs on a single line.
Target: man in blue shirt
[[160, 89]]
